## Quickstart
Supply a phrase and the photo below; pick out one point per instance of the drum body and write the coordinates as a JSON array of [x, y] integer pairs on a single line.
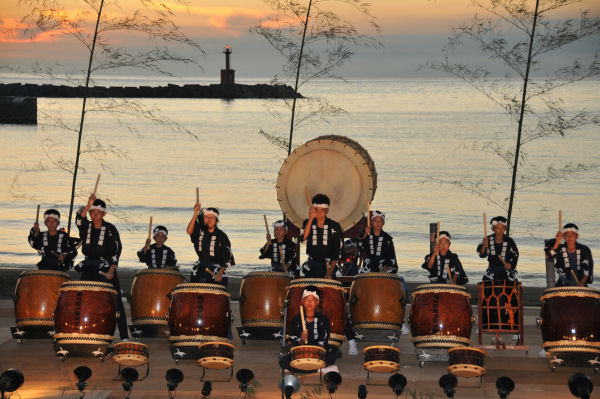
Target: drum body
[[500, 306], [36, 294], [199, 313], [130, 354], [261, 298], [382, 359], [350, 181], [149, 295], [331, 304], [570, 319], [85, 317], [377, 301], [216, 355], [466, 362], [441, 316], [307, 357]]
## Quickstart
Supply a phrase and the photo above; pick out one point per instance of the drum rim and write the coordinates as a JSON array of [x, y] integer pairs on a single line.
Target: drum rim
[[49, 272], [468, 348], [161, 270], [216, 343], [216, 289], [267, 274], [299, 282], [583, 292], [321, 349], [134, 343], [475, 370], [78, 285], [382, 275], [381, 346]]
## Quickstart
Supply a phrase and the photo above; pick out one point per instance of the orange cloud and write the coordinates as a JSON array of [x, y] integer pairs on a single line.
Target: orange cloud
[[13, 31]]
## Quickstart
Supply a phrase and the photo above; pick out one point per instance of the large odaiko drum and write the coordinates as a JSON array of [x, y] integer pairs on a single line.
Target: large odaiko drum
[[35, 297], [350, 181], [199, 313], [150, 296], [377, 301], [441, 316], [261, 298], [85, 317], [570, 320], [331, 304]]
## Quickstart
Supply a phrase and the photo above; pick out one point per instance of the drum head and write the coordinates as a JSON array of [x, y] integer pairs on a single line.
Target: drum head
[[381, 366], [333, 165]]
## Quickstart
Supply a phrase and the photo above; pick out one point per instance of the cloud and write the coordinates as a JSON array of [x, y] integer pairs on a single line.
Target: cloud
[[14, 31]]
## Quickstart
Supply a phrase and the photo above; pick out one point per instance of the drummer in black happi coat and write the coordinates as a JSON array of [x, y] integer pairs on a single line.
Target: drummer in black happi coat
[[571, 258], [501, 251], [158, 255], [377, 247], [443, 260], [101, 245], [278, 246], [212, 246], [55, 246]]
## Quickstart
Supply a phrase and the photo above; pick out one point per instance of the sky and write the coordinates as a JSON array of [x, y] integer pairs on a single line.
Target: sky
[[412, 33]]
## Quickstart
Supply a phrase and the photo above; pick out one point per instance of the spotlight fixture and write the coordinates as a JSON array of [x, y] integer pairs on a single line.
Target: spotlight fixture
[[448, 383], [332, 379], [362, 391], [289, 385], [129, 375], [83, 373], [397, 382], [173, 377], [206, 389], [581, 385], [505, 386], [244, 376], [10, 381]]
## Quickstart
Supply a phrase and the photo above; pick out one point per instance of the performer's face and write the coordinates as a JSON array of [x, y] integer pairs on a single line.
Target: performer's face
[[210, 221], [310, 303], [499, 229], [160, 239], [279, 233], [51, 224], [570, 237], [97, 215], [444, 245], [322, 212], [377, 223]]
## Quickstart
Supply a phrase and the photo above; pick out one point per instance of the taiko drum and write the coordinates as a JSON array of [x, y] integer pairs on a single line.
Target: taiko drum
[[216, 355], [466, 361], [150, 296], [382, 358], [377, 301], [130, 354], [307, 357], [261, 298]]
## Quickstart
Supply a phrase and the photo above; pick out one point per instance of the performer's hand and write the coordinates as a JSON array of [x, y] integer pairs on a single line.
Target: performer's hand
[[62, 257], [91, 199], [484, 242], [367, 230], [312, 213], [219, 275], [109, 274], [304, 335], [147, 246], [436, 249], [559, 238], [197, 208], [268, 238], [328, 276], [36, 229]]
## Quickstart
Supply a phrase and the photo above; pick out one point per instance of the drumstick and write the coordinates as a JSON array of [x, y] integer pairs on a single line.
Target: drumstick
[[150, 228], [575, 276], [559, 220], [197, 195], [96, 186], [368, 214], [37, 215], [437, 233], [209, 271], [484, 225], [266, 225], [308, 198], [303, 321]]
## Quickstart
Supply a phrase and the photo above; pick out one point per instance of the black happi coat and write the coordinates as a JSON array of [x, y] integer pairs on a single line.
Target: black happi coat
[[60, 244], [508, 250], [156, 258], [288, 249], [99, 244], [318, 331], [439, 271], [323, 244], [584, 264], [379, 251], [213, 247]]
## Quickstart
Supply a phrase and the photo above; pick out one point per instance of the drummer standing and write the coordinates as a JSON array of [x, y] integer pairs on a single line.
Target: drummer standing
[[323, 238], [279, 247], [101, 245], [443, 260], [55, 246], [377, 247], [212, 246], [501, 251], [571, 258], [158, 255]]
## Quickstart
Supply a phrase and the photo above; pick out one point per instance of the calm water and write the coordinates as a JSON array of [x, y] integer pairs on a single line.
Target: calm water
[[414, 130]]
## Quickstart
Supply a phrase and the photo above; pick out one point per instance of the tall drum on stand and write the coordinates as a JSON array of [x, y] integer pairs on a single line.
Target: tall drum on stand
[[377, 301]]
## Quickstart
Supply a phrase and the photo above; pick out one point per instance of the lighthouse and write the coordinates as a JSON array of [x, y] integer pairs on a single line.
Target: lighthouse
[[227, 74]]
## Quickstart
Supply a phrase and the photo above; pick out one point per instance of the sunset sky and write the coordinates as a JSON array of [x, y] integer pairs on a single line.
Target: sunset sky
[[412, 31]]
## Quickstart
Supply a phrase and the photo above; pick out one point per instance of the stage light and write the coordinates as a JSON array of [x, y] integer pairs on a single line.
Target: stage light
[[448, 383], [129, 375], [397, 382], [244, 376], [206, 389], [505, 386], [83, 373], [581, 386], [10, 381], [289, 385], [173, 377], [332, 379], [362, 391]]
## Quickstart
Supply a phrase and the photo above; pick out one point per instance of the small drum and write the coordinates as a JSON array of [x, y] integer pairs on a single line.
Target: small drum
[[500, 306], [149, 296], [570, 319], [441, 316], [307, 357], [377, 301], [382, 359], [331, 304], [216, 355], [130, 354], [466, 362], [85, 317], [199, 313], [350, 181], [261, 298], [36, 294]]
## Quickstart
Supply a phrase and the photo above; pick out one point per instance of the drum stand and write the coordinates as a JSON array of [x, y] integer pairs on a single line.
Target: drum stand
[[368, 380], [31, 332], [478, 381], [226, 380], [118, 376]]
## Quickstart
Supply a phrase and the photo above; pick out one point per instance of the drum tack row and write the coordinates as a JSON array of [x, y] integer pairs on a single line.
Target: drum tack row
[[81, 317]]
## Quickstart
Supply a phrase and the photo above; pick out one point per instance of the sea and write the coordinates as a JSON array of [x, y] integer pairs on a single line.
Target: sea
[[433, 142]]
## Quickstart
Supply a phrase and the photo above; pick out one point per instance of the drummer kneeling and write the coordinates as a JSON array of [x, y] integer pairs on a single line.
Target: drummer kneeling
[[316, 332]]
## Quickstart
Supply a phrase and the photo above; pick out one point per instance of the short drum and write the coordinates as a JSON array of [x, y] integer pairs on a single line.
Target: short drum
[[377, 301], [216, 355], [130, 354], [261, 298], [382, 359], [150, 296], [307, 357], [466, 362]]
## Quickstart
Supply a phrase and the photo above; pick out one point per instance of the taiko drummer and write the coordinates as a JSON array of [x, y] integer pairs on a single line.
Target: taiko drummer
[[212, 246], [443, 265], [55, 246], [280, 248], [501, 251], [572, 260], [377, 247], [158, 255]]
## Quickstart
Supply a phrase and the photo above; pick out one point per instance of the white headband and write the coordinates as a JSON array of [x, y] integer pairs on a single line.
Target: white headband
[[446, 236], [324, 206], [99, 207], [573, 229], [278, 224], [308, 293], [52, 215], [210, 212], [157, 230], [495, 222], [375, 214]]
